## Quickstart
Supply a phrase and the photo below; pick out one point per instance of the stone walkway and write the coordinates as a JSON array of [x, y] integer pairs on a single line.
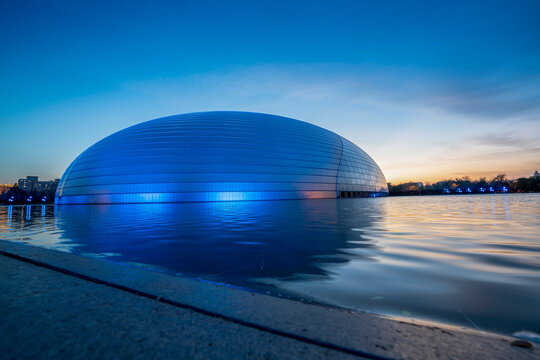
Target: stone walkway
[[59, 305]]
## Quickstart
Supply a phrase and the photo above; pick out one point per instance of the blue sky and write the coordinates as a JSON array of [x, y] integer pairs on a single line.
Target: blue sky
[[429, 90]]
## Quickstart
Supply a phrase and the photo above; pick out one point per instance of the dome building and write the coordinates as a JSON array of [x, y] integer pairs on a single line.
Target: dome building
[[220, 156]]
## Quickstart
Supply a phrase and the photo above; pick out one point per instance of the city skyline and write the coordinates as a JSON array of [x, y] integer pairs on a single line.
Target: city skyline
[[430, 91]]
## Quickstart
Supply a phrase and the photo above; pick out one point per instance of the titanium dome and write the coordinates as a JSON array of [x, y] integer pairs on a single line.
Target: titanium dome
[[220, 156]]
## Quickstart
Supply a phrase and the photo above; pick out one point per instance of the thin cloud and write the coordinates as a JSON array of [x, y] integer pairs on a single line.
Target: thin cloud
[[506, 140], [487, 98]]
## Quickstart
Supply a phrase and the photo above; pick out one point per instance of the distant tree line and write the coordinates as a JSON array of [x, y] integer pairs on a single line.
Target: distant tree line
[[466, 185], [17, 196]]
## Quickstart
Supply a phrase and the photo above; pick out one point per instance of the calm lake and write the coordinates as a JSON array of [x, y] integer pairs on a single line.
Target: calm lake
[[470, 260]]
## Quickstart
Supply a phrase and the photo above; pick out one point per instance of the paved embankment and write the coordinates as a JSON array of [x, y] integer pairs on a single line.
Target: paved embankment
[[55, 304]]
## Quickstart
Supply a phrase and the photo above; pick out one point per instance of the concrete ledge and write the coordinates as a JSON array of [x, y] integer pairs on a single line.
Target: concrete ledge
[[281, 327]]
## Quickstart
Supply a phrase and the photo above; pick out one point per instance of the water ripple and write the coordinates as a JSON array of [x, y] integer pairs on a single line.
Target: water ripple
[[471, 260]]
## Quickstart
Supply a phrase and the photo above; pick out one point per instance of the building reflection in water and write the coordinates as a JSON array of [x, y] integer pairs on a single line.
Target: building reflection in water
[[233, 242]]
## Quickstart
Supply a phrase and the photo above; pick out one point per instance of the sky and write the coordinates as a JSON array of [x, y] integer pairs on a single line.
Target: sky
[[431, 90]]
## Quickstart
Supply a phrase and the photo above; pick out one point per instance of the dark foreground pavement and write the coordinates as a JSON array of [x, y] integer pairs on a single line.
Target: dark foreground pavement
[[58, 305]]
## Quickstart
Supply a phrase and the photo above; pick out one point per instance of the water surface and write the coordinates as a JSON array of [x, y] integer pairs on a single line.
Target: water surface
[[471, 260]]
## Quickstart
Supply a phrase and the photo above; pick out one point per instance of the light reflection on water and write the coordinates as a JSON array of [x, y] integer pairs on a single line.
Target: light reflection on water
[[469, 260]]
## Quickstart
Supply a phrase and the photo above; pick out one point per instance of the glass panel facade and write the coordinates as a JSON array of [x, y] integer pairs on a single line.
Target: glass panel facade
[[358, 173], [218, 156]]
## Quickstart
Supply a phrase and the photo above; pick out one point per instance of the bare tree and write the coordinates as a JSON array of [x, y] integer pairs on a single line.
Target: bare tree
[[499, 178]]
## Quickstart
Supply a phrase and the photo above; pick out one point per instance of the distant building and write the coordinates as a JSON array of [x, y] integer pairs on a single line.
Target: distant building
[[32, 183], [49, 186], [28, 184], [536, 174]]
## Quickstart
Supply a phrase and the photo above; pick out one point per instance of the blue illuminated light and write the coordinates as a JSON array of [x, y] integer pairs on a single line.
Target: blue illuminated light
[[231, 196], [219, 156]]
